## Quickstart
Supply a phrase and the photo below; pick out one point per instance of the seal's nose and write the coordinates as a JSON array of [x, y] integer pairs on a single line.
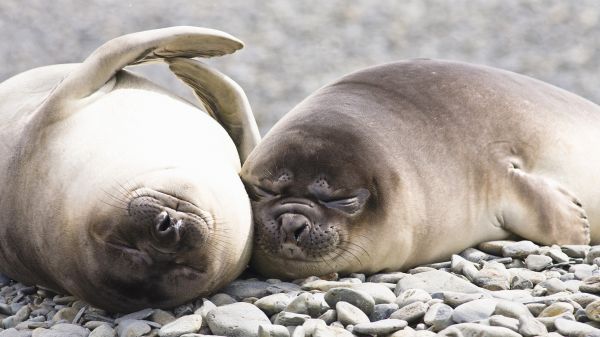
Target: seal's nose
[[293, 225], [167, 229]]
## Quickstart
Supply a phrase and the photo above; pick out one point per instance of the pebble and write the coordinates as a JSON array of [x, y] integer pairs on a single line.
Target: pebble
[[380, 292], [358, 298], [387, 277], [537, 262], [103, 330], [138, 315], [436, 281], [473, 329], [593, 253], [383, 311], [273, 304], [591, 285], [412, 295], [290, 319], [493, 276], [307, 304], [330, 316], [438, 316], [571, 328], [411, 312], [575, 251], [583, 271], [520, 249], [349, 314], [383, 327], [182, 325], [236, 320], [273, 331], [240, 289], [220, 299], [592, 311], [505, 322], [474, 311], [161, 317], [132, 328], [455, 299], [557, 309]]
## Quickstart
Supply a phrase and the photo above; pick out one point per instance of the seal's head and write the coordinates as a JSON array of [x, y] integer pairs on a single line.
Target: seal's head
[[313, 192], [164, 241]]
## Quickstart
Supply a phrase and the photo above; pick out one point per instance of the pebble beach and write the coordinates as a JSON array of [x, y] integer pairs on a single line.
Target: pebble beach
[[499, 288]]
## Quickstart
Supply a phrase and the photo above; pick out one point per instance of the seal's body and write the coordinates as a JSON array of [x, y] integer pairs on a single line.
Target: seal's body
[[405, 163], [114, 189]]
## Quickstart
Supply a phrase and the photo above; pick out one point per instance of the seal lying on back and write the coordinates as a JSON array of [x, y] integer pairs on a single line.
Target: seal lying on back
[[116, 190], [408, 162]]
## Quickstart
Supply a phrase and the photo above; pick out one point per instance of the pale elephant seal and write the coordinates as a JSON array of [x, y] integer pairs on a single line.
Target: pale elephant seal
[[406, 163], [117, 191]]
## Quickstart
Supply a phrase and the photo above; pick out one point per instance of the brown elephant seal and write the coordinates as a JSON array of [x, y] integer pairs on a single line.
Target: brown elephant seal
[[408, 162], [116, 190]]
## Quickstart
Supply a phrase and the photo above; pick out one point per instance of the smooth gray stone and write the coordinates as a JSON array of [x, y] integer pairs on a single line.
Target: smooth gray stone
[[387, 277], [162, 317], [494, 247], [237, 320], [331, 331], [520, 249], [528, 325], [138, 315], [583, 271], [290, 318], [282, 287], [590, 285], [409, 296], [411, 313], [358, 298], [182, 325], [575, 251], [103, 330], [71, 328], [273, 304], [240, 289], [557, 309], [474, 329], [306, 304], [12, 332], [438, 316], [220, 299], [572, 328], [436, 281], [383, 327], [592, 311], [505, 322], [380, 292], [329, 316], [455, 299], [558, 255], [538, 262], [593, 253], [474, 311], [349, 314], [132, 328], [273, 331], [383, 311]]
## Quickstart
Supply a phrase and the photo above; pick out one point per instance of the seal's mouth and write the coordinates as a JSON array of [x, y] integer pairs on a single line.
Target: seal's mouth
[[170, 263]]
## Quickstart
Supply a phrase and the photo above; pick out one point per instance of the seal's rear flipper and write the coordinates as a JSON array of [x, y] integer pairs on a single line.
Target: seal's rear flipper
[[136, 48], [540, 210], [223, 99]]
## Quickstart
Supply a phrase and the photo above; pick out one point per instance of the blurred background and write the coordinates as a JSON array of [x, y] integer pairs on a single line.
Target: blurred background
[[295, 47]]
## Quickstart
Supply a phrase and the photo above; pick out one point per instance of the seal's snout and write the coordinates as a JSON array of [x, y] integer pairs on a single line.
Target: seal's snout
[[293, 226], [167, 228]]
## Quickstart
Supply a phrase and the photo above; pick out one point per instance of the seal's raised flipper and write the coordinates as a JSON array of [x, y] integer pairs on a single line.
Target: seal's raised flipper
[[223, 99], [136, 48], [540, 210]]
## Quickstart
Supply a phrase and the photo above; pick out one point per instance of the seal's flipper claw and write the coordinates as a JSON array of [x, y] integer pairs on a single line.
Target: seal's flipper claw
[[223, 99], [136, 48], [541, 210]]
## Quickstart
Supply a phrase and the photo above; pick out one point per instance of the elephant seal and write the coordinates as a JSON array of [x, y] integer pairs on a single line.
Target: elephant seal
[[406, 163], [116, 190]]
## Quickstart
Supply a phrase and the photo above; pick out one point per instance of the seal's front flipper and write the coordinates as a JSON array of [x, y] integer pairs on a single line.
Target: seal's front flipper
[[136, 48], [540, 210], [223, 99]]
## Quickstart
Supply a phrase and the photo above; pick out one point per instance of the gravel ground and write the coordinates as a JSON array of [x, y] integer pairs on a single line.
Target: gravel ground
[[295, 47], [502, 288]]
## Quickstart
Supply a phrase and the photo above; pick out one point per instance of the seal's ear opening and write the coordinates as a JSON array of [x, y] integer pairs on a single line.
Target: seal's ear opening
[[352, 205]]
